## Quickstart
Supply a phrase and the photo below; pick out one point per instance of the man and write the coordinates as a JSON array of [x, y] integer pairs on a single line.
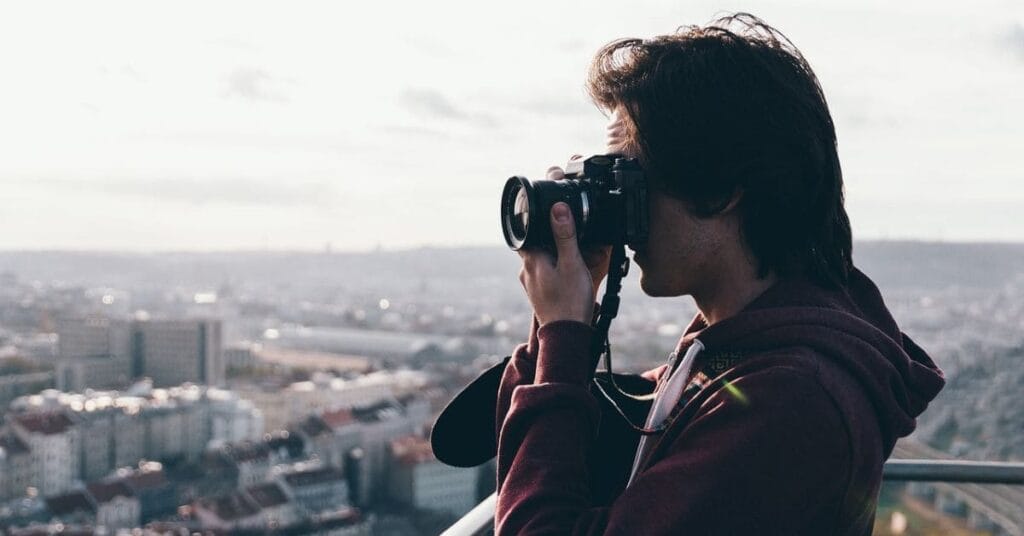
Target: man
[[788, 390]]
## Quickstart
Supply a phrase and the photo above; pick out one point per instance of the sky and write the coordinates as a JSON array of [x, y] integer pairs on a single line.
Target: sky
[[149, 126]]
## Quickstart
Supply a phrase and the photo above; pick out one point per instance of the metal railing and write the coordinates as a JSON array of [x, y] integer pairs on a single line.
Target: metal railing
[[480, 520]]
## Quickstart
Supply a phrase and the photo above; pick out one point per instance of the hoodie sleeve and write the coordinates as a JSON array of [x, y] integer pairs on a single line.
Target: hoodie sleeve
[[765, 454], [519, 371]]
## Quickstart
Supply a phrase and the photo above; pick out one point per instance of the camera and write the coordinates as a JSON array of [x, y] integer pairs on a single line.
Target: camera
[[607, 194]]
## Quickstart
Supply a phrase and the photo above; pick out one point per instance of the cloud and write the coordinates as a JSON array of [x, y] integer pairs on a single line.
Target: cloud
[[238, 192], [1015, 40], [255, 84], [434, 105]]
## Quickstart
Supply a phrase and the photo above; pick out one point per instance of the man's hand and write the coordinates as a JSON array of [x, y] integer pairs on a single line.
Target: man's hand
[[562, 288], [597, 258]]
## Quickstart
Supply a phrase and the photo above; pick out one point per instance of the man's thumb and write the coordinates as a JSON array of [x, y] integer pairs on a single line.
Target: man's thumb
[[564, 230]]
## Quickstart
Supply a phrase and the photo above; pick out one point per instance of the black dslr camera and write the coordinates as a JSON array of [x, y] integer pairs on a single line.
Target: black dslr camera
[[607, 194]]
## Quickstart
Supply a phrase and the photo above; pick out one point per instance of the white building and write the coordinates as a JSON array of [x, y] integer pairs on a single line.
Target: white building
[[15, 466], [419, 480], [116, 505], [54, 443], [118, 430], [281, 405], [233, 419], [316, 488]]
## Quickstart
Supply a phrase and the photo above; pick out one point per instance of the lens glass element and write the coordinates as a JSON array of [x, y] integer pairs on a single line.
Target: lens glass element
[[520, 214]]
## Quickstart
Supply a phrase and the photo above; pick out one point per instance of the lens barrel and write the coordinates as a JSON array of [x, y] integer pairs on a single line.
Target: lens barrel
[[526, 209], [607, 195]]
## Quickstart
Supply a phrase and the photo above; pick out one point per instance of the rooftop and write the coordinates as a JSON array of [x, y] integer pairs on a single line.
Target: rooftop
[[69, 503], [247, 452], [411, 450], [46, 423], [267, 495], [314, 476], [314, 427], [381, 411], [231, 507], [291, 443], [337, 418], [143, 480], [105, 492]]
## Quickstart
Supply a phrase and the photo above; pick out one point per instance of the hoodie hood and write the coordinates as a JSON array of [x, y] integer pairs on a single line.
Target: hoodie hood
[[851, 327]]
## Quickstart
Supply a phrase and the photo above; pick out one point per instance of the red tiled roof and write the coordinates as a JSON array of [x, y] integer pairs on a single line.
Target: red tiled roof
[[145, 480], [105, 492], [412, 450], [46, 423], [337, 418]]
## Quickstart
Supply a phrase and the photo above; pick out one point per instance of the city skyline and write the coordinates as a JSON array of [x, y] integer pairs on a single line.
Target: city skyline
[[252, 126]]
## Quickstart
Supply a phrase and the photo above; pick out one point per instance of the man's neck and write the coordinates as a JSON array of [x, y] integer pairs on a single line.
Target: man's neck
[[731, 288]]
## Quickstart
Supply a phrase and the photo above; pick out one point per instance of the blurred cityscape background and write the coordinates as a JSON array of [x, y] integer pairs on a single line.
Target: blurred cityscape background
[[249, 249], [293, 392]]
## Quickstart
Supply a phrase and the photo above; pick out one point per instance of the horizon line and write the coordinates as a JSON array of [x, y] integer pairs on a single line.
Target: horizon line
[[400, 249]]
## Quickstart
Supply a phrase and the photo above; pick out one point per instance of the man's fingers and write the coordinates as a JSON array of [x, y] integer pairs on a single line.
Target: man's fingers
[[555, 173], [564, 230]]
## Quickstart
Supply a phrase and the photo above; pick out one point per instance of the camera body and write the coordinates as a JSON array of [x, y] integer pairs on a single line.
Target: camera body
[[607, 194]]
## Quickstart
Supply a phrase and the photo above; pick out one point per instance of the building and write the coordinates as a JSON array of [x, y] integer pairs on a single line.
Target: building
[[420, 481], [116, 505], [232, 419], [149, 484], [54, 442], [72, 508], [316, 488], [261, 507], [379, 424], [15, 466], [173, 352], [289, 403], [23, 383], [276, 510], [96, 428], [93, 336], [252, 459], [115, 430], [93, 352], [100, 372], [129, 431]]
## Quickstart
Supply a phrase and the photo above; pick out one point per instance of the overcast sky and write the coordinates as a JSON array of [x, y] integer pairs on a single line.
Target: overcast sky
[[244, 125]]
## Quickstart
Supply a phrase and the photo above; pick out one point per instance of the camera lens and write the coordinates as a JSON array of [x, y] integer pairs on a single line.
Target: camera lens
[[515, 211], [520, 213]]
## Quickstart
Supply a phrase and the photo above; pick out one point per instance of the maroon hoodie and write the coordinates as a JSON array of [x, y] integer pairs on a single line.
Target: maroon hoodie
[[789, 438]]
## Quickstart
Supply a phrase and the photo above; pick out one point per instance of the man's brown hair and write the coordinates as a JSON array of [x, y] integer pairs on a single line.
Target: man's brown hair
[[733, 108]]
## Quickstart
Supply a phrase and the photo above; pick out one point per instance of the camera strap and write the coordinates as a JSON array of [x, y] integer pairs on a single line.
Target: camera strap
[[617, 269]]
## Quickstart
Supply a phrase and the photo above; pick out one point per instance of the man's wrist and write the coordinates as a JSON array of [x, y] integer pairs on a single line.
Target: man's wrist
[[564, 352]]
